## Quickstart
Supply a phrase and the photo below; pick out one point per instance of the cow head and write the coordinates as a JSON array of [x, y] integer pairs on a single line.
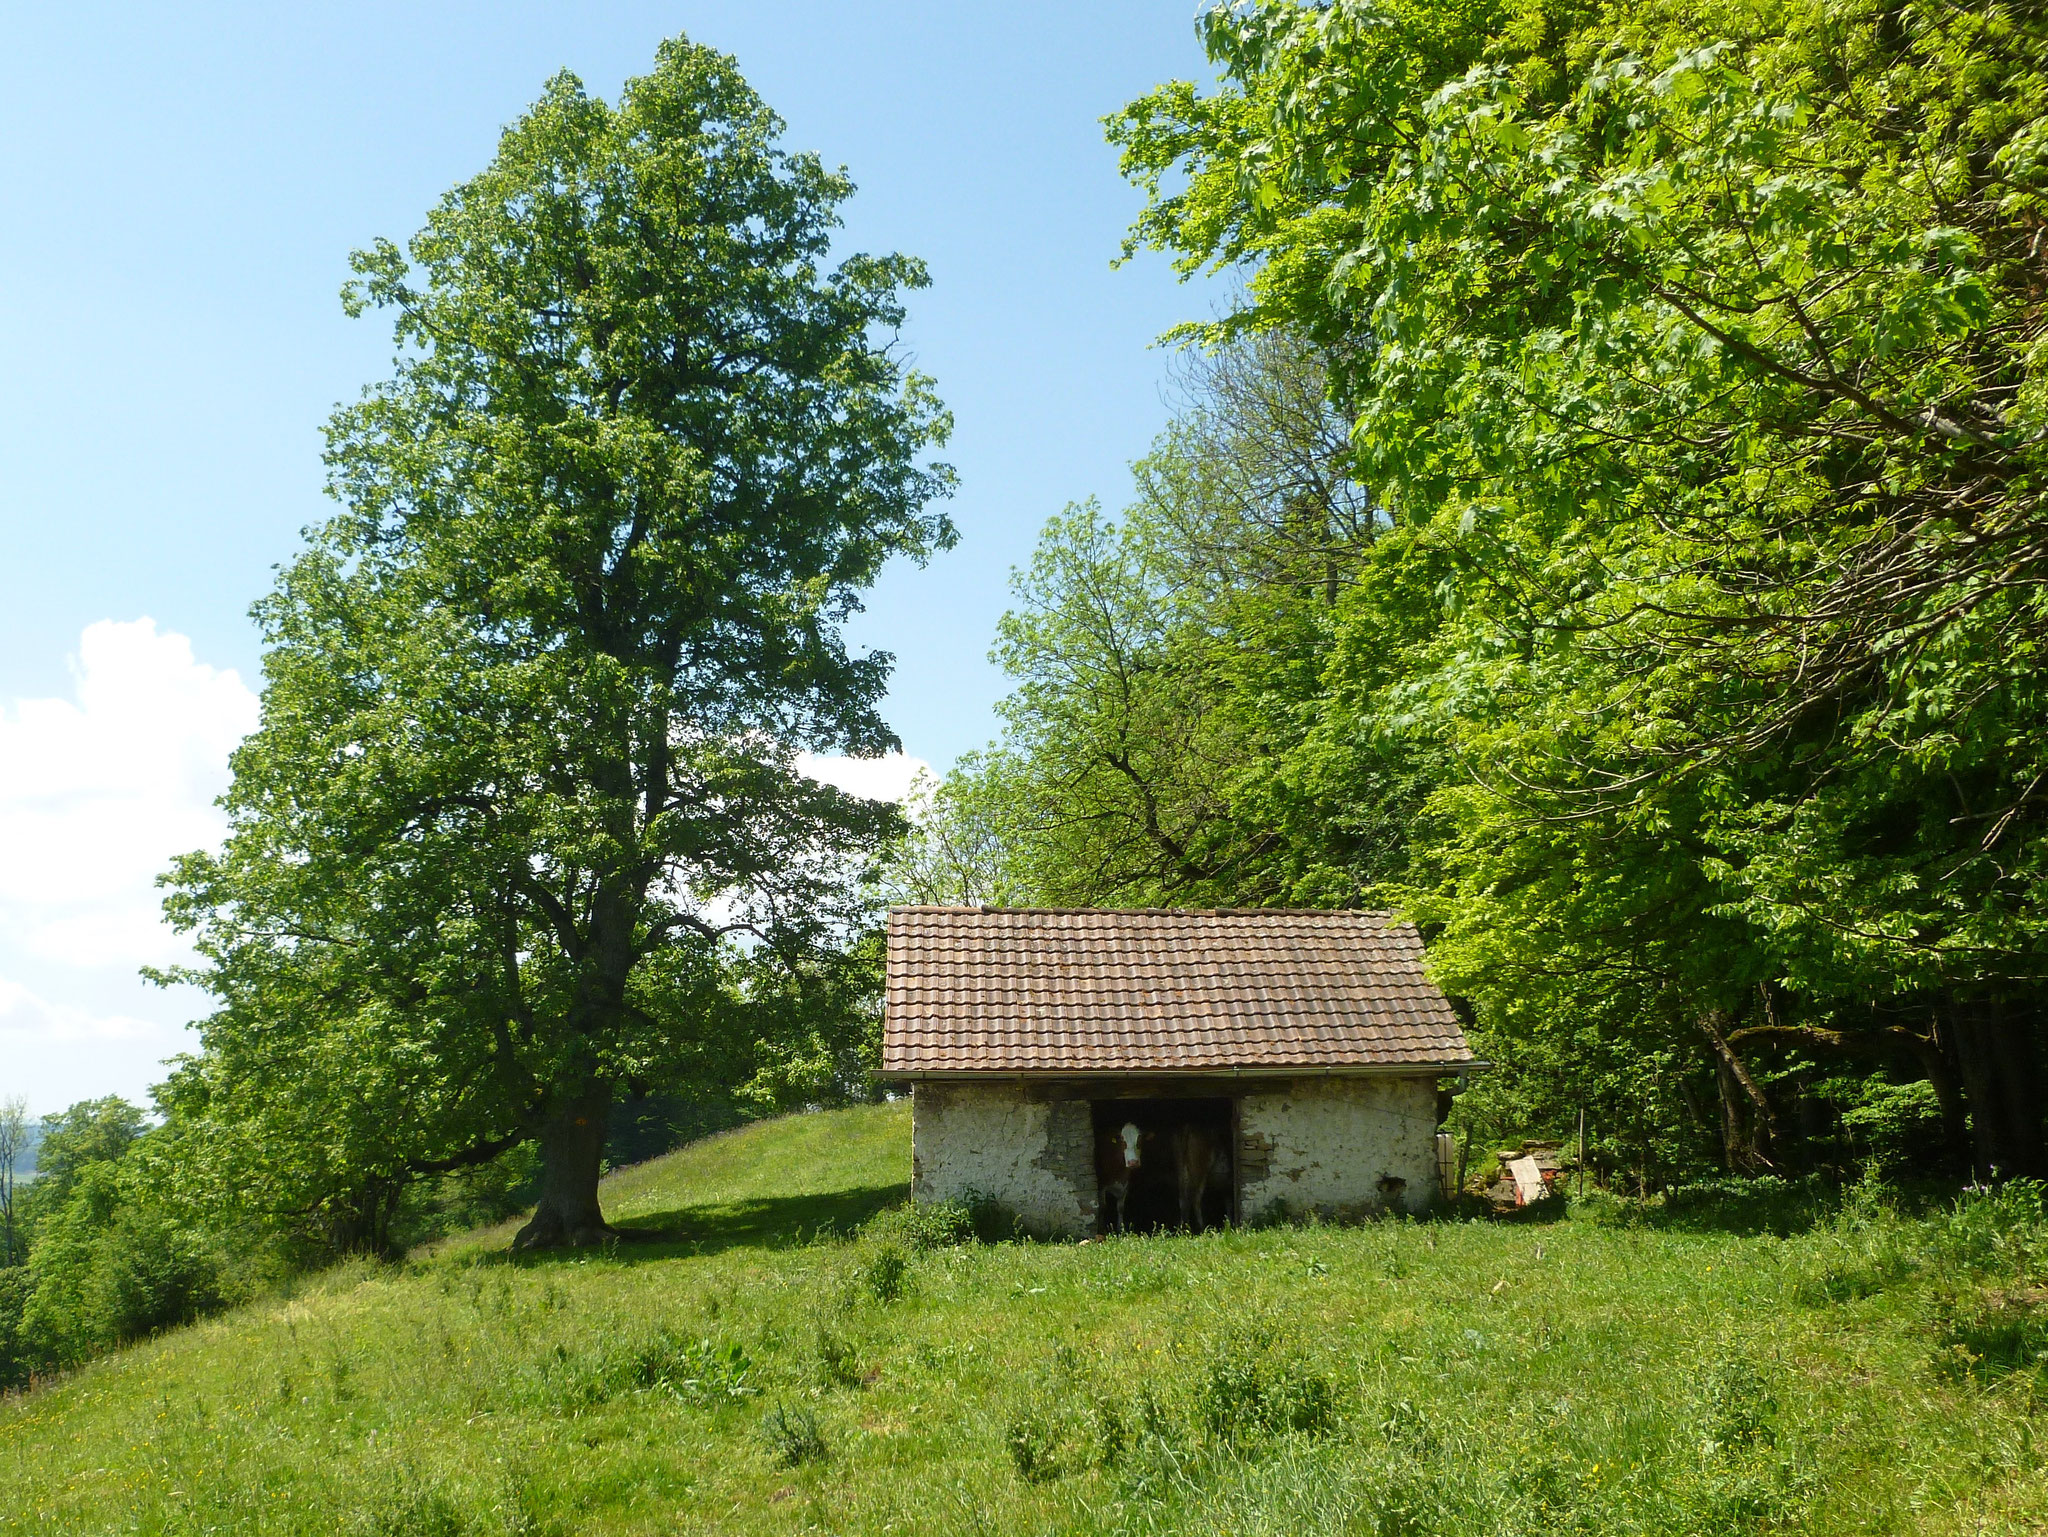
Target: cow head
[[1129, 1138]]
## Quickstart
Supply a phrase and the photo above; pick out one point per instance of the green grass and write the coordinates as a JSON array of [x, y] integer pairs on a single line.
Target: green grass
[[768, 1185], [1874, 1374]]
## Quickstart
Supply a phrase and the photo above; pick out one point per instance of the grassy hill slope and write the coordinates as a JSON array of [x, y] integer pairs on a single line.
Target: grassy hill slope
[[769, 1184], [1626, 1374]]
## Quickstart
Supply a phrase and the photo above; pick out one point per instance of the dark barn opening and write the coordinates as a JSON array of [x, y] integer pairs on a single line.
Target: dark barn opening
[[1154, 1202]]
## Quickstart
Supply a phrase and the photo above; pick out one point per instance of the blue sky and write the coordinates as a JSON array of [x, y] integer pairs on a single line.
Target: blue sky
[[181, 189]]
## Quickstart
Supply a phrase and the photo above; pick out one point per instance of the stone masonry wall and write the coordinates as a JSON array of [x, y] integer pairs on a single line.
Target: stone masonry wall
[[1338, 1145], [1343, 1147], [1036, 1158]]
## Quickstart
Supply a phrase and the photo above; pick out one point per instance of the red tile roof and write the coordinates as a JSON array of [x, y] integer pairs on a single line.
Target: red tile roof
[[1051, 990]]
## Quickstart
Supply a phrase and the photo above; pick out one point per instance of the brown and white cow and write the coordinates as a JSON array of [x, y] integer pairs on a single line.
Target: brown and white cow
[[1117, 1156]]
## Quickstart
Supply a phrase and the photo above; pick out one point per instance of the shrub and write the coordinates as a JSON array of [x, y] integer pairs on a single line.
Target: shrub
[[1245, 1392], [106, 1271], [793, 1437], [923, 1225], [153, 1273], [1033, 1441], [17, 1362]]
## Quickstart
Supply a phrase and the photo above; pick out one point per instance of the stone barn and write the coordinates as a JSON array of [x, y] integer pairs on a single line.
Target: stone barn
[[1303, 1053]]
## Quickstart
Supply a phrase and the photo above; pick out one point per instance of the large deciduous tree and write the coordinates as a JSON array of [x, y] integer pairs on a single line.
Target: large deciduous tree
[[1168, 667], [1696, 347], [533, 699]]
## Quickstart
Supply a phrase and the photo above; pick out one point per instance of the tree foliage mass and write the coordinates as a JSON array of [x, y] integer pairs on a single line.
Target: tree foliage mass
[[1663, 626], [521, 831]]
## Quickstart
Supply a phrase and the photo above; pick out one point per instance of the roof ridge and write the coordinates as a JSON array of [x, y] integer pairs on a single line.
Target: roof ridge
[[979, 910]]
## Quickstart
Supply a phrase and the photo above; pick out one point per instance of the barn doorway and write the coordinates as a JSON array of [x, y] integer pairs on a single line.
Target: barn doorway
[[1164, 1126]]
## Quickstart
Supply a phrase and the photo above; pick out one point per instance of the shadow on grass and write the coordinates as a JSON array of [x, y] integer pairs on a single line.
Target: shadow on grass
[[766, 1222], [1745, 1208]]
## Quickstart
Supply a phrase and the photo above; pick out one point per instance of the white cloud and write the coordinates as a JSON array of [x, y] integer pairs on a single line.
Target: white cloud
[[98, 791], [887, 778], [26, 1018]]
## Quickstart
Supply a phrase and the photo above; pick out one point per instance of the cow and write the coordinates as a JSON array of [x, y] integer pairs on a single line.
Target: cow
[[1198, 1157], [1117, 1154]]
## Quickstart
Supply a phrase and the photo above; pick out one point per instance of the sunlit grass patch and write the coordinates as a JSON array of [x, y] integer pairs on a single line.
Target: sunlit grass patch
[[1406, 1377]]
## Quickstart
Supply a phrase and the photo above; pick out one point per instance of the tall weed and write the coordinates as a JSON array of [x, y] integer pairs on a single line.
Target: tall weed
[[1248, 1392], [1738, 1408], [922, 1225], [692, 1369], [838, 1358], [793, 1436], [1864, 1248], [2000, 1233], [886, 1272]]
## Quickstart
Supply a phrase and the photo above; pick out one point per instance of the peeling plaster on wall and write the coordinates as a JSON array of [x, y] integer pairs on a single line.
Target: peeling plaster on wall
[[1069, 1151], [1325, 1144], [985, 1139]]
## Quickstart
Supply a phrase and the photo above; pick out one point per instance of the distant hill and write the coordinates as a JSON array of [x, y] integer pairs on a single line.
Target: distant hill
[[25, 1160]]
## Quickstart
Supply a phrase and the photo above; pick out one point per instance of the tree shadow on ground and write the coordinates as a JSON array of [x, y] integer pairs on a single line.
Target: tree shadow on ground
[[1783, 1208], [763, 1222]]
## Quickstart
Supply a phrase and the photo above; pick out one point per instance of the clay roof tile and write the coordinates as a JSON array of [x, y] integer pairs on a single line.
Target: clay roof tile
[[974, 989]]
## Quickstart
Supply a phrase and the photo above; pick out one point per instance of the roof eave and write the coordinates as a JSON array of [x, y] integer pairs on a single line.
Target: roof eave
[[1304, 1070]]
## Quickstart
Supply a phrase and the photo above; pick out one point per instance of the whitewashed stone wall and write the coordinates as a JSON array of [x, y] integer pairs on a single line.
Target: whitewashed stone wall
[[1341, 1147], [1336, 1146], [1037, 1159]]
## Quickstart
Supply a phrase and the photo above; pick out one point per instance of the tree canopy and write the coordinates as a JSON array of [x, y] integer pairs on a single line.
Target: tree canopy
[[1685, 678], [521, 829]]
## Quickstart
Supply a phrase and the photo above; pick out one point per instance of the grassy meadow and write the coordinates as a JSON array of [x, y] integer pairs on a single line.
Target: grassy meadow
[[1625, 1369]]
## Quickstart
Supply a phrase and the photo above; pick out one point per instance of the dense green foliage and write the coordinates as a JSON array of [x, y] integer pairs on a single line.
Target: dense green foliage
[[1165, 665], [1679, 665], [521, 832], [1721, 1363], [108, 1252], [119, 1241]]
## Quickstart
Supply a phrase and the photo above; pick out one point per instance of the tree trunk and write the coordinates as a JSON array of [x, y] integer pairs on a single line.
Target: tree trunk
[[1996, 1052], [1732, 1151], [1931, 1053], [572, 1158], [359, 1220], [1732, 1075]]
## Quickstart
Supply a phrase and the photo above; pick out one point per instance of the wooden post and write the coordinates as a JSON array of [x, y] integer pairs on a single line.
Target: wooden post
[[1236, 1161], [1582, 1151]]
